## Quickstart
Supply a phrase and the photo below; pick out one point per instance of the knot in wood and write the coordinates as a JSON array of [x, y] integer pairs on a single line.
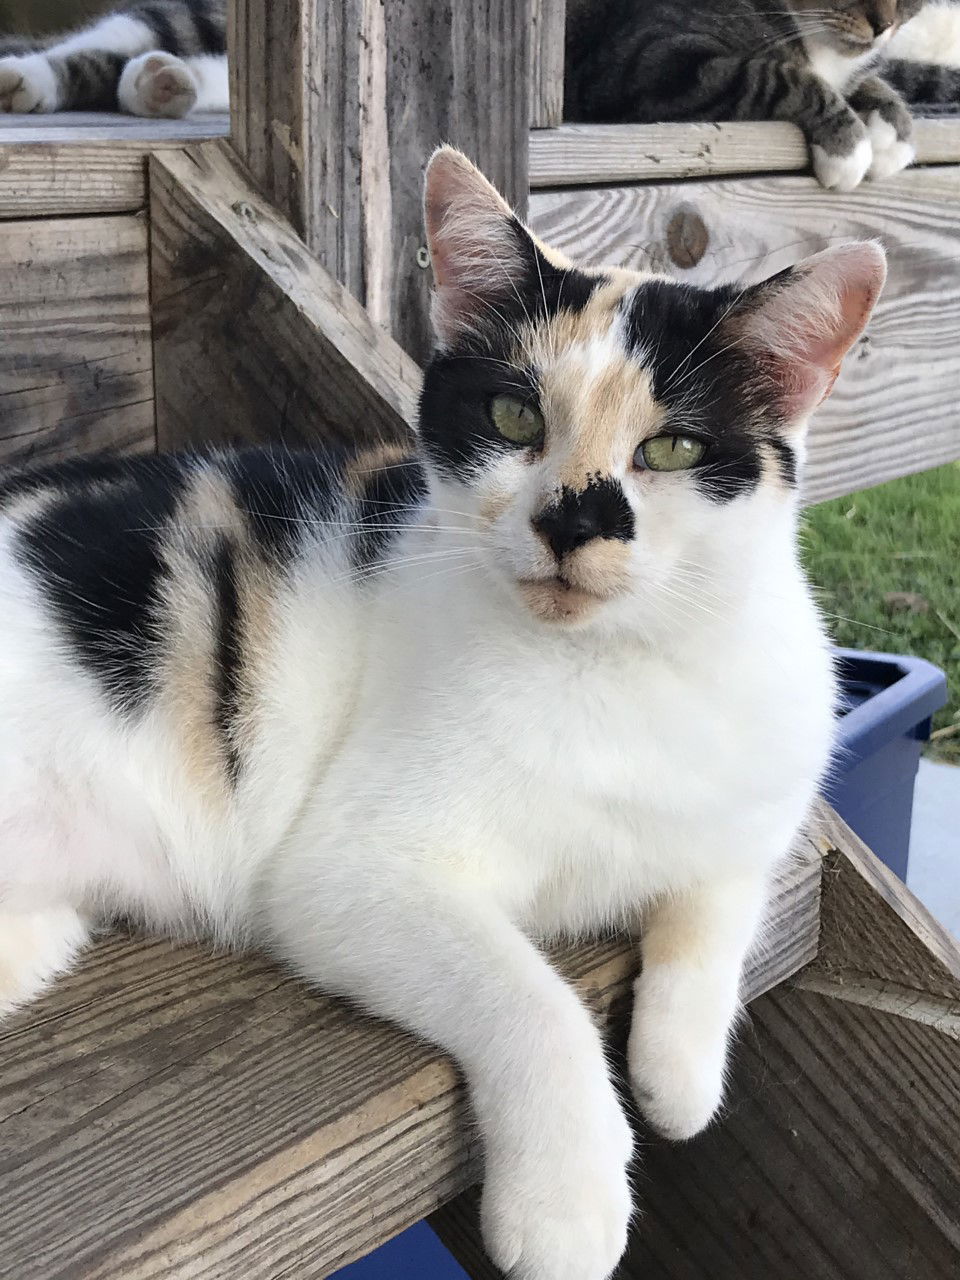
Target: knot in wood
[[687, 237]]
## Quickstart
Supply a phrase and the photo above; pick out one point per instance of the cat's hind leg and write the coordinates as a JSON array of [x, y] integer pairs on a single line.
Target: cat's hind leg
[[158, 84], [36, 946]]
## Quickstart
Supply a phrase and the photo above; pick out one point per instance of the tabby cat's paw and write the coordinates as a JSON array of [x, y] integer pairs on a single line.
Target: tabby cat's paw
[[890, 152], [842, 172], [157, 84], [28, 83]]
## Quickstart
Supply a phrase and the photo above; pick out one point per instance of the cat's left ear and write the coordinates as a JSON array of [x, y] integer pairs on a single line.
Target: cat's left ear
[[801, 323], [479, 249]]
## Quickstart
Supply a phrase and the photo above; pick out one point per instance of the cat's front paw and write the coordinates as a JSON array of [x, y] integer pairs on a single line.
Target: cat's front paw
[[676, 1055], [891, 153], [157, 85], [560, 1209], [28, 83], [842, 172]]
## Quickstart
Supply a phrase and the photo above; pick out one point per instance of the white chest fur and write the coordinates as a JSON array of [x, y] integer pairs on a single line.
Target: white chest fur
[[839, 70]]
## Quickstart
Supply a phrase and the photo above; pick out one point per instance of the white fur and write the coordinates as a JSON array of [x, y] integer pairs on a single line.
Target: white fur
[[116, 33], [28, 83], [440, 780], [890, 154], [842, 172], [932, 36], [160, 84], [835, 68]]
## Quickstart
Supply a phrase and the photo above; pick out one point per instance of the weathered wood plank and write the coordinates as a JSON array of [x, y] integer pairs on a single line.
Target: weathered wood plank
[[547, 23], [256, 1128], [75, 357], [55, 165], [837, 1156], [253, 339], [896, 405], [879, 944], [587, 155], [336, 108]]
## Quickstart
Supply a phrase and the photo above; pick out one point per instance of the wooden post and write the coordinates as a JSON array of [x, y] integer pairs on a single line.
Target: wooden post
[[253, 340], [336, 107]]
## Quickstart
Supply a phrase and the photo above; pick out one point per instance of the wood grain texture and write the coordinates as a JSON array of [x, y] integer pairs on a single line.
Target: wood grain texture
[[51, 166], [253, 339], [896, 405], [547, 26], [337, 107], [76, 369], [587, 155], [837, 1156], [879, 944], [208, 1118]]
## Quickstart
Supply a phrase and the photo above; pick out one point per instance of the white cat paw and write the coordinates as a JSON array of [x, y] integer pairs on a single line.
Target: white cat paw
[[678, 1085], [842, 172], [157, 84], [890, 153], [28, 83], [558, 1233], [562, 1211]]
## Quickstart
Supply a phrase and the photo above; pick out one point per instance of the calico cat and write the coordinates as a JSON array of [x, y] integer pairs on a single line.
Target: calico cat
[[150, 58], [820, 64], [400, 718]]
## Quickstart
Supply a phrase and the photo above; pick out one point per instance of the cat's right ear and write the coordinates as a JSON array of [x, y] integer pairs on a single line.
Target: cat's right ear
[[479, 249]]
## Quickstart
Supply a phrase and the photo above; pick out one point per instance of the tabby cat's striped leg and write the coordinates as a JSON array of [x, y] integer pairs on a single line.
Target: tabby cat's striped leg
[[79, 72], [840, 148], [889, 124]]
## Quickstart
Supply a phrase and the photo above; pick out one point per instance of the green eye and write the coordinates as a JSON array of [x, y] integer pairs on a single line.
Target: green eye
[[669, 453], [516, 421]]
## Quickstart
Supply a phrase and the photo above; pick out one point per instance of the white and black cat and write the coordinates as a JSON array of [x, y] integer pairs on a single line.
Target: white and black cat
[[823, 65], [149, 57], [398, 719]]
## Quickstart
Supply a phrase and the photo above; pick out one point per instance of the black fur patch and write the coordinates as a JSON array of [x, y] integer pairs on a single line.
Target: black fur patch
[[391, 496], [710, 389], [222, 571], [601, 510], [456, 426], [280, 492], [95, 552]]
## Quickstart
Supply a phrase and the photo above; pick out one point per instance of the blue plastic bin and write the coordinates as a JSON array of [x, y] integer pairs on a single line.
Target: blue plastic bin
[[887, 702], [415, 1254]]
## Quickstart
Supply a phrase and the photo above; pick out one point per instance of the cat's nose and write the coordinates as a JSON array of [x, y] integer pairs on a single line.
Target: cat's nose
[[577, 516], [881, 25], [563, 533]]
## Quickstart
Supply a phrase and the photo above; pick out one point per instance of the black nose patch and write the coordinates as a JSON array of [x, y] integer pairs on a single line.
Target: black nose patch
[[601, 510]]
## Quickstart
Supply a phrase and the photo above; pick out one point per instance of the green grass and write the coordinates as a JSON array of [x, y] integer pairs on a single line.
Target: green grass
[[900, 537]]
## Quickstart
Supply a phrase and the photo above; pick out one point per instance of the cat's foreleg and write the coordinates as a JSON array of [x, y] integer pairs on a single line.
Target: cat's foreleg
[[446, 963], [36, 946], [889, 125], [686, 1000]]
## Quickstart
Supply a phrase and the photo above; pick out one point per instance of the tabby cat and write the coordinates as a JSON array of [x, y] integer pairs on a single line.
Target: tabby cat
[[401, 718], [821, 64], [151, 58]]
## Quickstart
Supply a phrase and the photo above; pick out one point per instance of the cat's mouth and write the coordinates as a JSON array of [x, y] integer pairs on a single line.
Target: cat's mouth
[[557, 599]]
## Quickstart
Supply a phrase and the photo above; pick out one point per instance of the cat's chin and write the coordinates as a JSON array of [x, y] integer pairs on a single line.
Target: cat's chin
[[556, 600]]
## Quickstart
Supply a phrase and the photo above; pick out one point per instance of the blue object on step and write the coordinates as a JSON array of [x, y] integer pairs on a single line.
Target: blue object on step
[[887, 702], [416, 1254]]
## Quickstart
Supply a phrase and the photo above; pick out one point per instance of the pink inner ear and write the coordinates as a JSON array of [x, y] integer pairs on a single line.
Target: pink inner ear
[[803, 327], [473, 244]]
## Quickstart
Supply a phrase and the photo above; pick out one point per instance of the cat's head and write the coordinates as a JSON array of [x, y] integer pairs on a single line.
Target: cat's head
[[619, 443], [854, 26]]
